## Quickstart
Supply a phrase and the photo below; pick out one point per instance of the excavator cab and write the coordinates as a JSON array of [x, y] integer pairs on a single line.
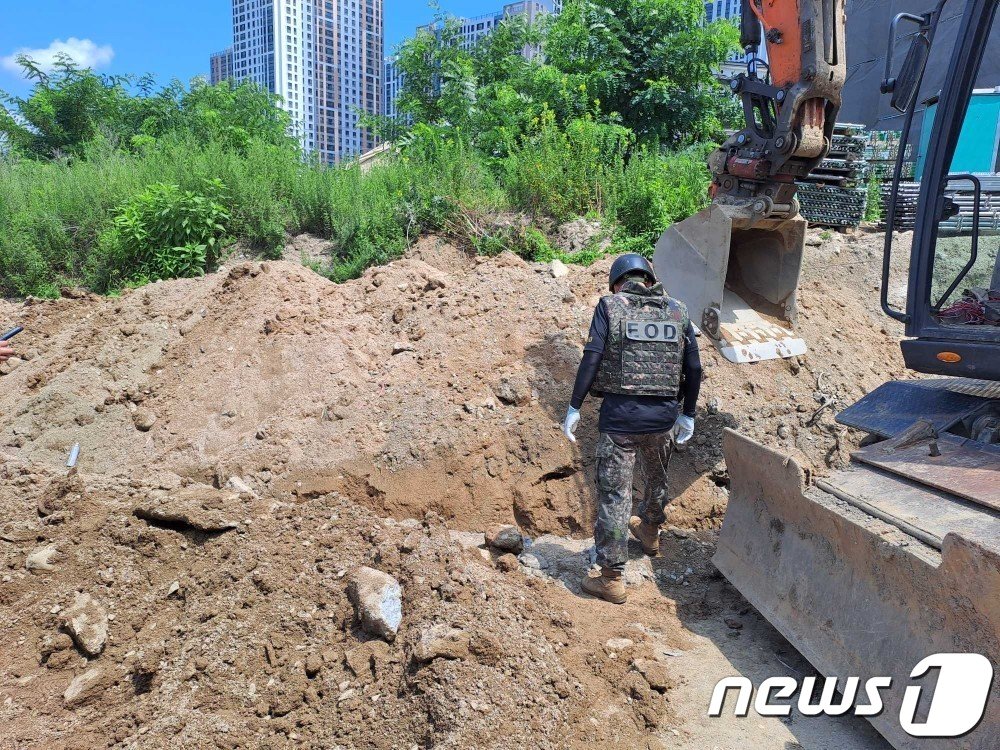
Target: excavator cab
[[874, 570], [952, 313]]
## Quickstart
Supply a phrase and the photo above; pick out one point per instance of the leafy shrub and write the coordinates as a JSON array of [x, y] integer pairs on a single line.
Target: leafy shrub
[[874, 210], [162, 233], [654, 191], [565, 172]]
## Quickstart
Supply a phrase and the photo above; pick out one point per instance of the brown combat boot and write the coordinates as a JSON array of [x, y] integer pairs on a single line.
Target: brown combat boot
[[648, 536], [609, 586]]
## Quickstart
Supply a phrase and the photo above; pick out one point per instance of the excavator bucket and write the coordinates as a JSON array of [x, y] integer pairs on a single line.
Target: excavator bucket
[[738, 278], [869, 573]]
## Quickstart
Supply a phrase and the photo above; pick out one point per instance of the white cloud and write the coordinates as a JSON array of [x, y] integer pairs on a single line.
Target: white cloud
[[83, 52]]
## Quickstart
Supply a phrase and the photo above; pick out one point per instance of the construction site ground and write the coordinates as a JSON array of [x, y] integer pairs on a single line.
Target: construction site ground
[[250, 439]]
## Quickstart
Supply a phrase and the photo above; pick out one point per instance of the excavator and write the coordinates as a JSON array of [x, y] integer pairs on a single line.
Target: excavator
[[738, 261], [874, 571]]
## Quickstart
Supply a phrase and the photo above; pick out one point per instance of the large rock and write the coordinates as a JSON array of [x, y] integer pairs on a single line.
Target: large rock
[[378, 601], [655, 673], [87, 623], [441, 642], [143, 419], [581, 234], [197, 507], [42, 558], [505, 538], [514, 390], [84, 687]]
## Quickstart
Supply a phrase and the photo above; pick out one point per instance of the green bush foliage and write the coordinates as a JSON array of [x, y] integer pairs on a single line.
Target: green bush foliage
[[565, 172], [874, 210], [656, 190], [109, 182], [164, 232]]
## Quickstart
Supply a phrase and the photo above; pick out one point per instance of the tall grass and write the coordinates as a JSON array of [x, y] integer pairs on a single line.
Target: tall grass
[[54, 214]]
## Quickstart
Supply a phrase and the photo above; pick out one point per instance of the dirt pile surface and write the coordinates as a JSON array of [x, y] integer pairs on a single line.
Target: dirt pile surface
[[249, 440]]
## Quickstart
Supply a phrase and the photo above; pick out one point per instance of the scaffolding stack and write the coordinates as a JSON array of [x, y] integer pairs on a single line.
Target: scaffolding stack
[[836, 193], [964, 222], [882, 151]]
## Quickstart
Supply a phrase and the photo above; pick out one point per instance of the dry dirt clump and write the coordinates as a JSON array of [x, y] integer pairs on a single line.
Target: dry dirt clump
[[249, 440]]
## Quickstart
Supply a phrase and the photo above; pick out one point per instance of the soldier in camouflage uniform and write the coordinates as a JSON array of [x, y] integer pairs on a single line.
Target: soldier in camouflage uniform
[[642, 360]]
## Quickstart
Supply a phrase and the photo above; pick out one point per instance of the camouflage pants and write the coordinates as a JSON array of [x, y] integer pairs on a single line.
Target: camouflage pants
[[616, 462]]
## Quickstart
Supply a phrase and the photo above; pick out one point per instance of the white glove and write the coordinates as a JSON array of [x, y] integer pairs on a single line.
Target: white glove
[[684, 429], [570, 425]]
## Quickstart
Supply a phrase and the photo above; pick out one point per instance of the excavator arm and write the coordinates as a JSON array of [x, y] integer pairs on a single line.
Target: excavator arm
[[790, 113], [736, 265]]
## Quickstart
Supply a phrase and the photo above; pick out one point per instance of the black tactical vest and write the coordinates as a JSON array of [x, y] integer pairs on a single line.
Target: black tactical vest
[[644, 351]]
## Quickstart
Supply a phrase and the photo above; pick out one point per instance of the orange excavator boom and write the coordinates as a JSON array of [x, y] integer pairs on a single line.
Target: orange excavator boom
[[737, 264]]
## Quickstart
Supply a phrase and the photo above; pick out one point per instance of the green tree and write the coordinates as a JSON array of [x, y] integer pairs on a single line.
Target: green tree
[[72, 107], [229, 113], [650, 62], [438, 78], [66, 108], [649, 65]]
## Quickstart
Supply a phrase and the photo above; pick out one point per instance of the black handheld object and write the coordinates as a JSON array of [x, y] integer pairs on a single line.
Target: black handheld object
[[11, 333]]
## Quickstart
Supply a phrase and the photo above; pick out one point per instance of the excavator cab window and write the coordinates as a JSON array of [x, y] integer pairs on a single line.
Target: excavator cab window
[[963, 262], [965, 287], [949, 82]]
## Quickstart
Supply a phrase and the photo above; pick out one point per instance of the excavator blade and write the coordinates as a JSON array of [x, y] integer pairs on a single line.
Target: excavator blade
[[867, 574], [738, 279]]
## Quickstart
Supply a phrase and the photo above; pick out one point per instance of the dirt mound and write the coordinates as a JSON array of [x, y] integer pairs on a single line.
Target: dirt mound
[[250, 438]]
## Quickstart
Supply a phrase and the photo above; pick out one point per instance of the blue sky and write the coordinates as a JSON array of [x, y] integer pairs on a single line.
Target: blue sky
[[168, 38]]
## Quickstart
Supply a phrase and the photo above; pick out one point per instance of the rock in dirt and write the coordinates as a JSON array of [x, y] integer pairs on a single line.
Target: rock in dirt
[[378, 601], [10, 365], [618, 645], [468, 539], [655, 673], [143, 419], [87, 623], [441, 642], [366, 660], [313, 665], [196, 507], [580, 234], [505, 538], [508, 563], [514, 391], [18, 531], [532, 562], [84, 687], [558, 269], [733, 624], [42, 558], [239, 485]]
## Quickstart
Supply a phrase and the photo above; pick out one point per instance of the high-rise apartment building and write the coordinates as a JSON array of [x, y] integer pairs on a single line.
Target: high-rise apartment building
[[393, 81], [323, 58], [221, 66], [716, 9], [472, 31]]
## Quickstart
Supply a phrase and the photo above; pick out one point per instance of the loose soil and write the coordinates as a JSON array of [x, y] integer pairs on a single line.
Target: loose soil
[[250, 438]]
